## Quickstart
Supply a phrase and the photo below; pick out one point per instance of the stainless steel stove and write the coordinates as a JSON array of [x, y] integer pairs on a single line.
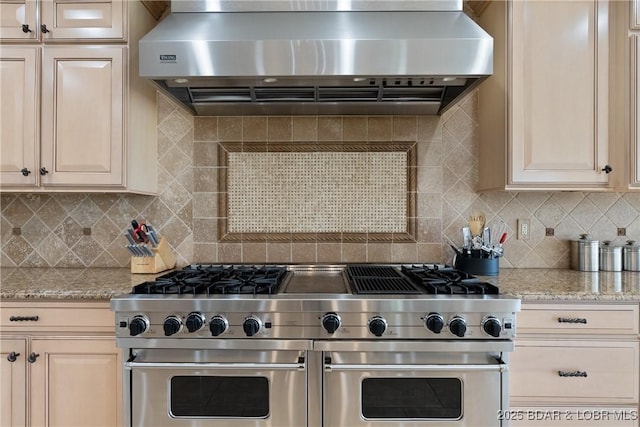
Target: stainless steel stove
[[293, 345]]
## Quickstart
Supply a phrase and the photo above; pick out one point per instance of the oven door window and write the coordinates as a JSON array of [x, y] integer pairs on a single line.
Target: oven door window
[[219, 397], [412, 398]]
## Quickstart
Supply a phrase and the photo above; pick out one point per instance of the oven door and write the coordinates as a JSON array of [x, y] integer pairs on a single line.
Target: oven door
[[418, 388], [179, 388]]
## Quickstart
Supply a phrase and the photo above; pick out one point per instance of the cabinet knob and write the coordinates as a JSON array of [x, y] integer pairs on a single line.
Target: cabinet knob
[[43, 171], [13, 356], [26, 29], [25, 171], [44, 28], [607, 169], [32, 357]]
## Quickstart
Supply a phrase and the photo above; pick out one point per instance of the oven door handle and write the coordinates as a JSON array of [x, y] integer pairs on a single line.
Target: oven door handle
[[220, 366], [500, 367], [386, 346]]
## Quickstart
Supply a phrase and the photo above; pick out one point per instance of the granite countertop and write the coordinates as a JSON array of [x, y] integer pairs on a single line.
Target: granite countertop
[[67, 283], [527, 284], [542, 284]]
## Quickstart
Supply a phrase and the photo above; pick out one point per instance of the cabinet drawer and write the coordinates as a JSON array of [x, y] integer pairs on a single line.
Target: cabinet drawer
[[568, 416], [578, 319], [56, 317], [574, 372]]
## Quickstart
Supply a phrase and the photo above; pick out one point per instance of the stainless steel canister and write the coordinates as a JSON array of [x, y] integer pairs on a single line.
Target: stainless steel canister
[[631, 256], [584, 254], [610, 257]]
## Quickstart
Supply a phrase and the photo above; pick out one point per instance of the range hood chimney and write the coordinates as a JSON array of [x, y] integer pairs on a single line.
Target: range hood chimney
[[241, 57]]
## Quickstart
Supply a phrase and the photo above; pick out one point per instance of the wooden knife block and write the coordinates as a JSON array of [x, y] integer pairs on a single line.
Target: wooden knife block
[[164, 259]]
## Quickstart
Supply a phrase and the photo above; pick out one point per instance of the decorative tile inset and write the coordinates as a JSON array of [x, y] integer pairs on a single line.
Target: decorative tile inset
[[319, 190]]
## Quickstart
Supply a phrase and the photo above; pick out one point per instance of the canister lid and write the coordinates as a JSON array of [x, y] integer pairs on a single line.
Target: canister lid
[[585, 240], [609, 248], [631, 246]]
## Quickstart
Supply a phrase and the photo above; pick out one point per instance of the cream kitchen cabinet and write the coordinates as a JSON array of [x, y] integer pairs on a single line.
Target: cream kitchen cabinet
[[76, 117], [544, 112], [81, 121], [634, 175], [575, 364], [62, 20], [63, 369]]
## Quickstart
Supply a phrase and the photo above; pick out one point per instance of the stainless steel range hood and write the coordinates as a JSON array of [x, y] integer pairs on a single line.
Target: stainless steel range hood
[[238, 57]]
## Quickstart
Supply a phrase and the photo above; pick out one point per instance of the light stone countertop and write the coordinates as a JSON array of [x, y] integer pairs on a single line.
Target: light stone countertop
[[67, 283], [527, 284], [542, 284]]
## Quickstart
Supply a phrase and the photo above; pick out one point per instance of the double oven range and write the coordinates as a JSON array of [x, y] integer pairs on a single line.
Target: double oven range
[[318, 346]]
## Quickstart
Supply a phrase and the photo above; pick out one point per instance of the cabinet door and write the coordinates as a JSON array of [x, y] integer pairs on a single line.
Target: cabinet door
[[76, 382], [559, 111], [19, 83], [88, 19], [635, 111], [635, 14], [16, 13], [13, 382], [82, 140]]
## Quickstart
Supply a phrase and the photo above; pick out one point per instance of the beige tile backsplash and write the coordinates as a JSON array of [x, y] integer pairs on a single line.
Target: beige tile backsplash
[[77, 230]]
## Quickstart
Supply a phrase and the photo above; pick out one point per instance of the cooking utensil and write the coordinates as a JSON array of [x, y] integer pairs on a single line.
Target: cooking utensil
[[466, 238], [497, 231], [456, 250], [477, 222], [139, 232], [151, 233]]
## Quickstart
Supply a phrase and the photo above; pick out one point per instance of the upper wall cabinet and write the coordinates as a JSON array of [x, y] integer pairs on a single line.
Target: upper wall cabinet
[[544, 111], [635, 111], [62, 20], [75, 115]]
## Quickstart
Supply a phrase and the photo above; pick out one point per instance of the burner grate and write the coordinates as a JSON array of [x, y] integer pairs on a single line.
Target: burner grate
[[447, 280], [368, 279], [216, 279], [461, 288]]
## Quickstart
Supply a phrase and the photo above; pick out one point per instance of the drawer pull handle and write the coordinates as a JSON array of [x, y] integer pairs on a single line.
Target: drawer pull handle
[[13, 356], [32, 357], [23, 319], [572, 374], [572, 320]]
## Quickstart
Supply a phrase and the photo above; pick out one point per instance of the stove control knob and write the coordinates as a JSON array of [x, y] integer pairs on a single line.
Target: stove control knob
[[194, 322], [218, 325], [434, 322], [377, 325], [331, 322], [138, 325], [492, 326], [172, 325], [251, 326], [458, 326]]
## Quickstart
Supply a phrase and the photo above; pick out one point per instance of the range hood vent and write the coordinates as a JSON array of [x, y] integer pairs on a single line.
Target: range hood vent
[[317, 62]]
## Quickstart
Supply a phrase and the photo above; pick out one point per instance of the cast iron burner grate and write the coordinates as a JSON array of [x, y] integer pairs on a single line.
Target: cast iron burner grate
[[216, 279], [447, 280], [378, 280]]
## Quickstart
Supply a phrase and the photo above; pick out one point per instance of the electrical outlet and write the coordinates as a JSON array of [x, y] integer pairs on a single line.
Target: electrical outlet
[[524, 228]]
